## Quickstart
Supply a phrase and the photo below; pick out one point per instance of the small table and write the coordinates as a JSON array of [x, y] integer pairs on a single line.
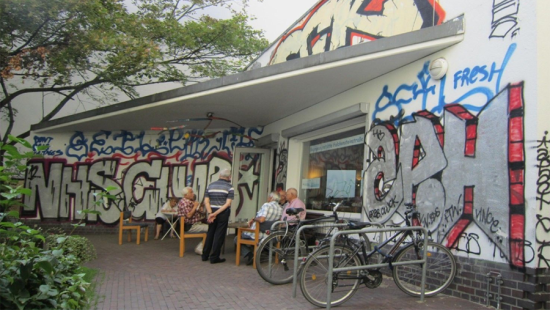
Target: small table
[[172, 222]]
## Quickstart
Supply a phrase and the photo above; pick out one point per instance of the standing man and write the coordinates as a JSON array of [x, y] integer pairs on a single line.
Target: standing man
[[218, 198], [294, 202]]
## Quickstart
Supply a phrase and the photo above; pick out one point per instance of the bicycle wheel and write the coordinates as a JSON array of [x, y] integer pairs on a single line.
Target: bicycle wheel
[[440, 271], [279, 267], [314, 276]]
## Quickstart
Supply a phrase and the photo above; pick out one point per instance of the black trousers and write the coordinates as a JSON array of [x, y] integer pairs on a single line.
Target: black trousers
[[216, 236]]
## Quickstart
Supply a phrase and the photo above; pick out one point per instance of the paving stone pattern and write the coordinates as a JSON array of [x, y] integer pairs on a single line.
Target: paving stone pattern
[[153, 276]]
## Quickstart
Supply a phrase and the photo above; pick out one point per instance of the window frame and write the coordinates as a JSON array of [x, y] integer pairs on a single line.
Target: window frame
[[297, 159]]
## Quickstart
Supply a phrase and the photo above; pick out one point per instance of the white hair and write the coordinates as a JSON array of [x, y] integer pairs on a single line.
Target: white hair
[[275, 196], [225, 173], [185, 190]]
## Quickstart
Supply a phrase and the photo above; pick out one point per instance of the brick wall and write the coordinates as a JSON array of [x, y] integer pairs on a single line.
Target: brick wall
[[529, 289]]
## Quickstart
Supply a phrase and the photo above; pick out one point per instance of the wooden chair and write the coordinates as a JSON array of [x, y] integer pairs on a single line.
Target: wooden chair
[[127, 224], [260, 227], [184, 236], [253, 242]]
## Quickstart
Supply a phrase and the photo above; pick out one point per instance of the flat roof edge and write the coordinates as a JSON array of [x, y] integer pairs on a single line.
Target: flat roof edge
[[448, 29]]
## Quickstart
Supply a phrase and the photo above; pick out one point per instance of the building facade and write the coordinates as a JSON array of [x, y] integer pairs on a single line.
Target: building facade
[[439, 104]]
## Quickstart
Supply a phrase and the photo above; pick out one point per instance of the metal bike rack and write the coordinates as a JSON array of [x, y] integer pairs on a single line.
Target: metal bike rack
[[423, 261], [297, 249], [273, 226], [497, 278]]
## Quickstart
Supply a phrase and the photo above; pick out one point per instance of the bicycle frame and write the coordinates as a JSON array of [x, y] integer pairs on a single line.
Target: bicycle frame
[[296, 258], [395, 247], [298, 229], [298, 232], [331, 270]]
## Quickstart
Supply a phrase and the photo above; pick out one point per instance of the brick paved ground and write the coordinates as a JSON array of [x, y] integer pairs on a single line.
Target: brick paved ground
[[153, 276]]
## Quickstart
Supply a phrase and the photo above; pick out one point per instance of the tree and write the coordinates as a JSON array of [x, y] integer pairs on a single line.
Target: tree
[[98, 48]]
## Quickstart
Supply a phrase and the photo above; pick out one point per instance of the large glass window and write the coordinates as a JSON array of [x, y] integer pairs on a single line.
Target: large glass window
[[332, 170]]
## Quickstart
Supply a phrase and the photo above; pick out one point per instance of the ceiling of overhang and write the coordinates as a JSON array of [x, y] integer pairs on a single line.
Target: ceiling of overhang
[[258, 101]]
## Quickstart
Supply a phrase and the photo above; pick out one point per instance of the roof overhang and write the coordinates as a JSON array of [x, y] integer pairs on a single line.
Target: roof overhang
[[262, 96]]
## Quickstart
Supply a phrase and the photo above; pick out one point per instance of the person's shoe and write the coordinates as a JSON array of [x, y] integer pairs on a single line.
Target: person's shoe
[[217, 261], [249, 259], [204, 258]]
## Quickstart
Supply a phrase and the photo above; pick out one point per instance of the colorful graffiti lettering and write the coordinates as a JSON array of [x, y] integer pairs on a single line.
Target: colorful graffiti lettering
[[333, 24], [406, 94], [190, 144], [456, 175], [61, 188]]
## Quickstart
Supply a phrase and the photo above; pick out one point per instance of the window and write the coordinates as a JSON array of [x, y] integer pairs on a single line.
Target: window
[[332, 171]]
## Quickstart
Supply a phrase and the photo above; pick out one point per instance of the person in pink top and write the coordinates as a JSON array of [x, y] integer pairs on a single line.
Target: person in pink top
[[293, 202]]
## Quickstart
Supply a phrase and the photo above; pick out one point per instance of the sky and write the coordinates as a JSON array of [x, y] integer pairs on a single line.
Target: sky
[[275, 16], [272, 16]]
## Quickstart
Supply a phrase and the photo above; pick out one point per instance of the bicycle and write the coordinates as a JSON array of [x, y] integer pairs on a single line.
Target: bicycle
[[441, 268], [275, 254]]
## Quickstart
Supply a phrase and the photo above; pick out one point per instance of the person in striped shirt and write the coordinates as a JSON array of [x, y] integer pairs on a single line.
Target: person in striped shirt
[[217, 200]]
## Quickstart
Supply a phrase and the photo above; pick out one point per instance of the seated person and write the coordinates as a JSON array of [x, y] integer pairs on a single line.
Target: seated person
[[270, 211], [191, 213], [160, 218], [282, 202], [293, 202]]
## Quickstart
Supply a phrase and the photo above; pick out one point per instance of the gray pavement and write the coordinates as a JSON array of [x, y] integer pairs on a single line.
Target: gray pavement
[[153, 276]]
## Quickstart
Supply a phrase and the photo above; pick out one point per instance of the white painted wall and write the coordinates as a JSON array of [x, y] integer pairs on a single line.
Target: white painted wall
[[486, 44], [503, 221]]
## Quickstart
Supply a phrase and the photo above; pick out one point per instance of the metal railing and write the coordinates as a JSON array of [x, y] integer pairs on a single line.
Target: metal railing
[[330, 271]]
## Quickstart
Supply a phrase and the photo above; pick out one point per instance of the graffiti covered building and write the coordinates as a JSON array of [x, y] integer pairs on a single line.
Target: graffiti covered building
[[439, 104]]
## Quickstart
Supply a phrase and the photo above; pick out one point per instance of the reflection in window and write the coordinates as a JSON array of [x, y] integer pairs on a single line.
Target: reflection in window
[[332, 171]]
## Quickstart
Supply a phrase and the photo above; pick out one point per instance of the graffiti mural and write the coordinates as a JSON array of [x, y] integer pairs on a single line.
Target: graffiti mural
[[333, 24], [543, 201], [144, 172], [282, 160], [457, 175], [505, 19], [480, 83]]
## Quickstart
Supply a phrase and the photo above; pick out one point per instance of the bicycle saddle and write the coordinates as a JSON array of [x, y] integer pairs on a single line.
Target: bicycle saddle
[[359, 225], [294, 211]]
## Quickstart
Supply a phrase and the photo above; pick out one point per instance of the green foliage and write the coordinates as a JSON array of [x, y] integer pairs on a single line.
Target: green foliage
[[97, 48], [14, 162], [32, 277], [79, 246], [94, 277]]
